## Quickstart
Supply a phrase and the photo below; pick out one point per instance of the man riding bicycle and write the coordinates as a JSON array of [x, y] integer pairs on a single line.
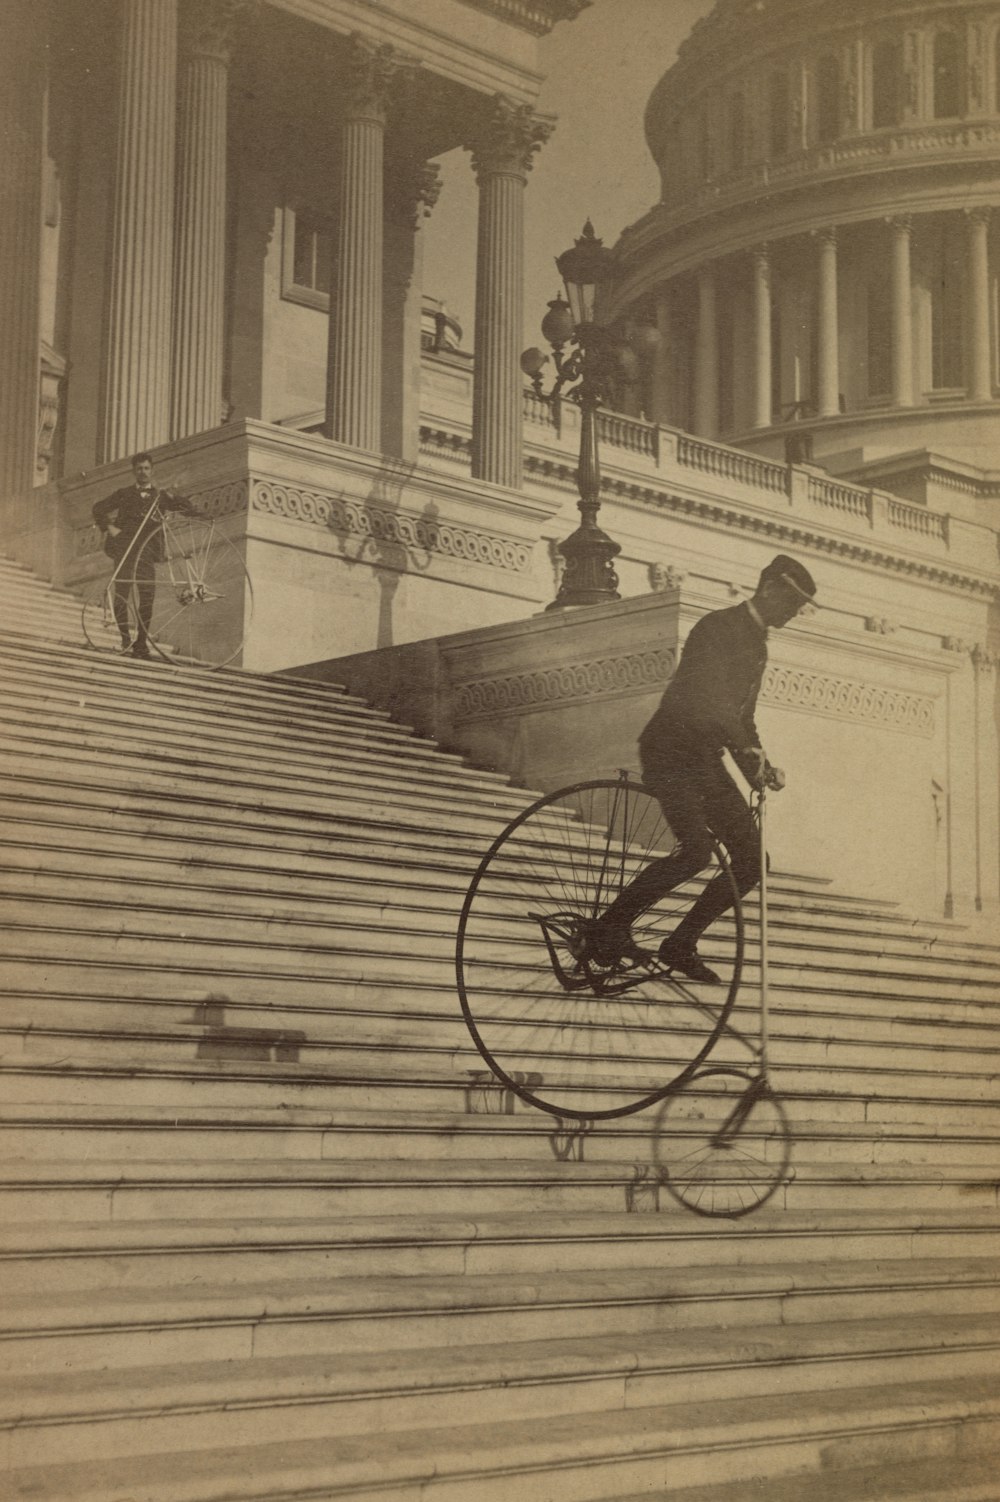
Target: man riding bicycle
[[708, 708]]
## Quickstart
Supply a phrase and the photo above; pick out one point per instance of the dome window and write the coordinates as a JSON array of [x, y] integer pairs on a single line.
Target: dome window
[[885, 84], [777, 117], [737, 131], [827, 98], [947, 75]]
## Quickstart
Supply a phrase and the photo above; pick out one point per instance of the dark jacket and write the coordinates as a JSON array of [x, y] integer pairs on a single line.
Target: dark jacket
[[127, 509], [710, 701]]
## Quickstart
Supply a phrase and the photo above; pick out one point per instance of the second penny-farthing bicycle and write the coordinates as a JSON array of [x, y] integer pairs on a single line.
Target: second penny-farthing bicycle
[[182, 583], [589, 1042]]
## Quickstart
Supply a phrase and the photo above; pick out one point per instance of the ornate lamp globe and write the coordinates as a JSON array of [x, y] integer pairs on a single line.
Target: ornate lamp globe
[[584, 269]]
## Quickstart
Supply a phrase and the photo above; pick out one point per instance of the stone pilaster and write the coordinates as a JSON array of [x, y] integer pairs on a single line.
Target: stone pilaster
[[199, 286], [354, 361], [503, 146], [828, 342], [706, 357], [412, 188], [22, 82], [762, 355], [902, 312], [979, 376], [137, 372]]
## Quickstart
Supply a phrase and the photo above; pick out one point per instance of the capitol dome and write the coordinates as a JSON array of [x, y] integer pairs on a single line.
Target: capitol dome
[[823, 261]]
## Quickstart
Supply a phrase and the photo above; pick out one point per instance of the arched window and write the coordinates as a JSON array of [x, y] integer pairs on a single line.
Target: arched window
[[737, 131], [885, 84], [947, 75], [827, 98], [946, 275], [777, 114]]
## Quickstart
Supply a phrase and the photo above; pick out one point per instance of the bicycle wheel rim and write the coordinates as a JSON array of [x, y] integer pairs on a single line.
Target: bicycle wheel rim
[[579, 1054], [202, 595], [710, 1173]]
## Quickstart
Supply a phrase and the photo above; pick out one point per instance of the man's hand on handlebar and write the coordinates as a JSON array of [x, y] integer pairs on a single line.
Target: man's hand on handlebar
[[762, 774]]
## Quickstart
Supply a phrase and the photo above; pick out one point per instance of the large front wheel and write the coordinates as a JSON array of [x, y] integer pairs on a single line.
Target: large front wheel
[[192, 592], [575, 1037]]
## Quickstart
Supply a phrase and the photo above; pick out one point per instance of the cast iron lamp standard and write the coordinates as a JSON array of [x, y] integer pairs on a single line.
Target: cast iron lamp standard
[[586, 374]]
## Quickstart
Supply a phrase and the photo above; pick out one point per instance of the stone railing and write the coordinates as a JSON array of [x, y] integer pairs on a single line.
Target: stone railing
[[853, 154], [918, 519], [730, 464], [852, 500], [628, 433]]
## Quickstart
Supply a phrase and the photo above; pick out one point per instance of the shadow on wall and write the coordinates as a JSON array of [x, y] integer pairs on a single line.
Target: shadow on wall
[[378, 533]]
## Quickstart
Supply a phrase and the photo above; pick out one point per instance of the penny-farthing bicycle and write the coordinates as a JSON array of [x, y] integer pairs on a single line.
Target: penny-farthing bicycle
[[186, 581], [590, 1042]]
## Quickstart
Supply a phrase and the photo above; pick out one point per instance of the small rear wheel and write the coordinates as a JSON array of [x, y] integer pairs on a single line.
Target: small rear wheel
[[575, 1037], [722, 1143]]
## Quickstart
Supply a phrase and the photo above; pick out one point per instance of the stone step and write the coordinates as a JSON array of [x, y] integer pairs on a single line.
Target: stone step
[[239, 754], [344, 1135], [148, 1190], [955, 1478], [358, 1031], [574, 1458], [63, 1255], [90, 853], [90, 1414]]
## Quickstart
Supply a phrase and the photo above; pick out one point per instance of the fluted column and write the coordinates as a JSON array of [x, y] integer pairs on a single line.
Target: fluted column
[[412, 187], [706, 357], [200, 261], [828, 383], [902, 313], [22, 81], [661, 392], [979, 380], [503, 147], [762, 358], [137, 374], [354, 361]]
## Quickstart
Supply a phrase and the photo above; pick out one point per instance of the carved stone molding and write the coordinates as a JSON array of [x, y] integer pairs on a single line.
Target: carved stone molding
[[536, 16], [208, 28], [849, 699], [506, 138], [664, 576], [221, 500], [578, 680], [345, 516], [367, 79], [881, 625], [956, 644], [984, 660], [412, 188]]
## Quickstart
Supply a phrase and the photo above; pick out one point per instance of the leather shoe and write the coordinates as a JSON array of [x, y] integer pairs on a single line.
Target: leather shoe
[[139, 649], [686, 959], [610, 943]]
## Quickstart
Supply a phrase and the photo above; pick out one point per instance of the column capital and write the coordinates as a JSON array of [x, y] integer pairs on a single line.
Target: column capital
[[825, 236], [369, 71], [901, 224], [412, 187], [208, 27], [506, 137], [984, 660], [981, 214]]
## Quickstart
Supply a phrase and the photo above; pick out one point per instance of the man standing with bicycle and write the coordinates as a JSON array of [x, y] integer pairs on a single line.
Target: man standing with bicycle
[[708, 708], [128, 519]]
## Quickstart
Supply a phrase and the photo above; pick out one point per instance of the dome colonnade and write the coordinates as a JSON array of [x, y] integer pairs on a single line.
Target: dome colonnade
[[825, 251]]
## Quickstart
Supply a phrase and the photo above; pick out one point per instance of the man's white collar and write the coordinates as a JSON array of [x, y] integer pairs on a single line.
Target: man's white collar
[[756, 616]]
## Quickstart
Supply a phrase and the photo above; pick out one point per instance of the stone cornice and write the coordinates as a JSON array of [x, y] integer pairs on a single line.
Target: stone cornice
[[536, 16]]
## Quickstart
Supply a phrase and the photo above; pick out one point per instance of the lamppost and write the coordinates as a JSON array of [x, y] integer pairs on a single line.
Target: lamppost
[[596, 361]]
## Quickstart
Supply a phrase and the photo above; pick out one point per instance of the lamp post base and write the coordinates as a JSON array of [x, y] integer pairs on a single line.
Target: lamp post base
[[589, 577]]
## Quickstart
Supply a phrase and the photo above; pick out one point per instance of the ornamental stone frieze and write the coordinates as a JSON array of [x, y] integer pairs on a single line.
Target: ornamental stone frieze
[[535, 16], [506, 137], [345, 516], [598, 678], [209, 28], [848, 698]]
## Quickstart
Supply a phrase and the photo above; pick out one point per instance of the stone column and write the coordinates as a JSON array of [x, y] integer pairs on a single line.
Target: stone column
[[503, 145], [706, 357], [22, 86], [412, 187], [137, 372], [902, 313], [661, 393], [828, 375], [354, 361], [979, 377], [200, 261], [762, 355]]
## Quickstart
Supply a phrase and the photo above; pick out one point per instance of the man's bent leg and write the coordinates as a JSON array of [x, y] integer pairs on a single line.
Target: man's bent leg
[[730, 820]]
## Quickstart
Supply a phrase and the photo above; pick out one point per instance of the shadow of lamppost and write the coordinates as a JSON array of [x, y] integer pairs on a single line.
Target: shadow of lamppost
[[591, 362]]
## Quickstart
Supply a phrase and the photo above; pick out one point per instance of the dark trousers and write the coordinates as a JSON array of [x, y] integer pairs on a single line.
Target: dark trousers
[[699, 799], [135, 578]]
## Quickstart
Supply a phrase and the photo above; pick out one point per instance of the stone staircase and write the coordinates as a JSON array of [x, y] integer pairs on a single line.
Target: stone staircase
[[268, 1233]]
